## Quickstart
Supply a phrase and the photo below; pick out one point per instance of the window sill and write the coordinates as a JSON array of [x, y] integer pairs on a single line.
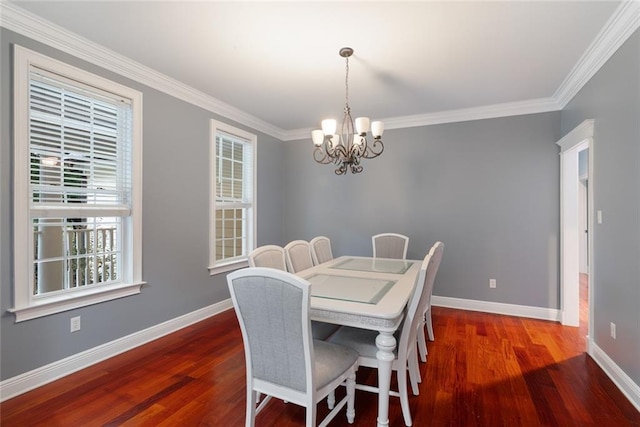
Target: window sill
[[233, 265], [53, 305]]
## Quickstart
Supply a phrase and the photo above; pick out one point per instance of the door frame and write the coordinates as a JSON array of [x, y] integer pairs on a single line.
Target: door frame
[[580, 138]]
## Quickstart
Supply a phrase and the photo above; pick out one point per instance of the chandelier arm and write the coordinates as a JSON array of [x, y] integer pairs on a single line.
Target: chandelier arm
[[320, 156], [374, 150]]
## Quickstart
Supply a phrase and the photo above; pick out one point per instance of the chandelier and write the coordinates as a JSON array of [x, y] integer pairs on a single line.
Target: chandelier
[[346, 149]]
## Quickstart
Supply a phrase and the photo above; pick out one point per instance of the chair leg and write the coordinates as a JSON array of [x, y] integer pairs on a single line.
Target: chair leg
[[422, 343], [404, 396], [351, 397], [429, 322], [311, 415], [250, 418], [331, 399], [414, 372]]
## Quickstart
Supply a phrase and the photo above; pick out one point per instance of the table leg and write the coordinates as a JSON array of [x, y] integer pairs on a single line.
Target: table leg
[[386, 343]]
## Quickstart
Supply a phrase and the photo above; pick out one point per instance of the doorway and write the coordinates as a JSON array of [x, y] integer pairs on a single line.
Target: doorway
[[573, 230]]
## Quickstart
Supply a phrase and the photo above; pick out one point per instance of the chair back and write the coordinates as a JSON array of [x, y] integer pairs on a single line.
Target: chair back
[[321, 250], [298, 254], [390, 245], [436, 253], [419, 299], [270, 256], [272, 307]]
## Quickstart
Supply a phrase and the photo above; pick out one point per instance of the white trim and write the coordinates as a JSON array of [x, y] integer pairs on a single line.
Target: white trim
[[25, 305], [218, 269], [581, 132], [620, 26], [23, 383], [624, 383], [532, 106], [216, 126], [69, 301], [497, 308], [624, 21], [580, 138]]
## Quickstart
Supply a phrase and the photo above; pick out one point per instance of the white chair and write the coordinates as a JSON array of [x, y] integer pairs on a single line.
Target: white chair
[[271, 256], [436, 253], [282, 360], [390, 245], [363, 341], [298, 254], [321, 250]]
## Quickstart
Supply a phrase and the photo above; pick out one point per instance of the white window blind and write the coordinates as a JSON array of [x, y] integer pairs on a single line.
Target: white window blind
[[80, 146]]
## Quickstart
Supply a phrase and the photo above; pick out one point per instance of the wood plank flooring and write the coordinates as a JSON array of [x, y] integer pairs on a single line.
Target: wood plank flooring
[[482, 370]]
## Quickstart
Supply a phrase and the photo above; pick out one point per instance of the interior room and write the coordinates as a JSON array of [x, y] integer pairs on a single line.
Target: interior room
[[507, 130]]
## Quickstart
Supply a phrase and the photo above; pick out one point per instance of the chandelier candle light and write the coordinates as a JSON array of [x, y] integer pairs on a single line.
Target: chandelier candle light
[[346, 150]]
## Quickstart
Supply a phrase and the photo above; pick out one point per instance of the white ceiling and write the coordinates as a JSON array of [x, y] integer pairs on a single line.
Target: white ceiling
[[279, 62]]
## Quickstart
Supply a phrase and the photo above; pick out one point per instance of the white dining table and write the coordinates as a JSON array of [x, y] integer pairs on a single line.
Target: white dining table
[[368, 293]]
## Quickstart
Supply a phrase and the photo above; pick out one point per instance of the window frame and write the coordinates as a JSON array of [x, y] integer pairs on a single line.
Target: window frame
[[25, 305], [216, 267]]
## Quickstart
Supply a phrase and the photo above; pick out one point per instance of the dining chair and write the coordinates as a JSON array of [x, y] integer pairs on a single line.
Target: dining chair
[[436, 253], [390, 245], [321, 250], [271, 256], [363, 341], [298, 254], [282, 359]]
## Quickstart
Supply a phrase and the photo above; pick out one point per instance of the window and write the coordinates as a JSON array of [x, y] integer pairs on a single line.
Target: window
[[77, 187], [232, 219]]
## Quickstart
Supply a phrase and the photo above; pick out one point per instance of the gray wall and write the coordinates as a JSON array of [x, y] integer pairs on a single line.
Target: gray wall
[[175, 226], [612, 98], [488, 189]]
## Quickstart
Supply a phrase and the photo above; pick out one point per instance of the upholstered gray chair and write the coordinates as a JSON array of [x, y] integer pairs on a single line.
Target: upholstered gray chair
[[271, 256], [390, 245], [363, 341], [282, 359], [298, 254], [436, 253], [321, 250]]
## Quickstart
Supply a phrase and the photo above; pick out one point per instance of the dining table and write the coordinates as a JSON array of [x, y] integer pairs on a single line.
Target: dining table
[[369, 293]]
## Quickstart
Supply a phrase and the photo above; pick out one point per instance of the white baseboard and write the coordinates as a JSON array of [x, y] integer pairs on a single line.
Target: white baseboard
[[20, 384], [626, 385], [497, 308]]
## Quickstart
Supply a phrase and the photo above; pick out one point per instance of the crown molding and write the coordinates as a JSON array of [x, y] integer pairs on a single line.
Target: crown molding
[[16, 19], [620, 26], [533, 106], [624, 21]]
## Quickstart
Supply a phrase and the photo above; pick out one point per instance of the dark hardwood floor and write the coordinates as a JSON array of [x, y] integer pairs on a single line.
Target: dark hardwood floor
[[483, 370]]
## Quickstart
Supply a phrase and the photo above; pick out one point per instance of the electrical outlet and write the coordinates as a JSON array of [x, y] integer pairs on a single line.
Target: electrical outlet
[[613, 330], [492, 283], [75, 324]]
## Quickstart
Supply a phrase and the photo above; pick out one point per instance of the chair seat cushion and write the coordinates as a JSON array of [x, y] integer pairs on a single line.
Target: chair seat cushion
[[332, 360]]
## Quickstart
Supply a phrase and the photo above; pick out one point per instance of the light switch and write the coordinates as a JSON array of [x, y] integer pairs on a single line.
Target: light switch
[[599, 217]]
